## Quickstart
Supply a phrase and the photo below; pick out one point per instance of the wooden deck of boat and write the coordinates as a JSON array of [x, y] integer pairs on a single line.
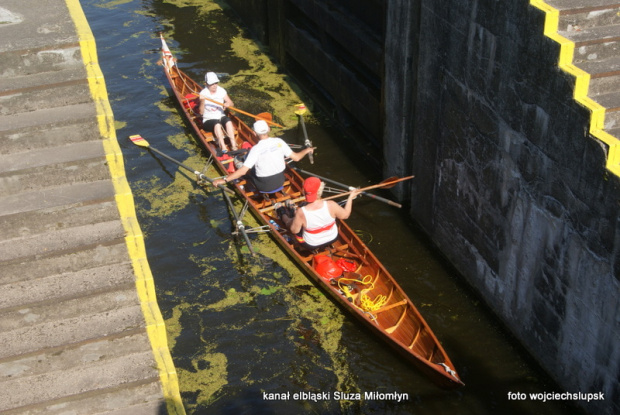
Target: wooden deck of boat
[[72, 329]]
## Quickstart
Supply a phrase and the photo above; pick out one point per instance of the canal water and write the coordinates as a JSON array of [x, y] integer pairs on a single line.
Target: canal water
[[254, 335]]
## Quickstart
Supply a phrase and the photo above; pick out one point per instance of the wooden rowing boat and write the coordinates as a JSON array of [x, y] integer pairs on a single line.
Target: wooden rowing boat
[[366, 289]]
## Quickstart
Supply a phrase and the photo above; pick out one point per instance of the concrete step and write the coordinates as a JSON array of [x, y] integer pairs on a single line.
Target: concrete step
[[18, 63], [56, 263], [71, 92], [604, 85], [56, 175], [36, 158], [601, 69], [25, 83], [595, 44], [611, 102], [59, 287], [33, 222], [87, 368], [136, 398], [50, 135], [580, 15], [615, 131], [51, 323], [44, 127], [49, 198], [61, 240]]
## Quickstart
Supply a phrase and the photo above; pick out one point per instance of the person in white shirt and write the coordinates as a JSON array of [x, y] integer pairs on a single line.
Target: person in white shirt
[[316, 221], [214, 118], [266, 161]]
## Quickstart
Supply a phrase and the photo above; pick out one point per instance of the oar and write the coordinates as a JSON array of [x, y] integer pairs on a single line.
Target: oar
[[370, 195], [140, 141], [301, 110], [386, 184], [258, 117]]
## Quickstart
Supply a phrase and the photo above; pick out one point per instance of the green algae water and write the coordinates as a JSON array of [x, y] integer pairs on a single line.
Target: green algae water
[[254, 335]]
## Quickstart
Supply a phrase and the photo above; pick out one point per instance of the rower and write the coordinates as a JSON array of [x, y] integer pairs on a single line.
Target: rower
[[266, 161], [315, 223]]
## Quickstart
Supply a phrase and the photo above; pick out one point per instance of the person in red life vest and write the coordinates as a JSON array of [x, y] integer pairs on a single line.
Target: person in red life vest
[[214, 119], [316, 221], [266, 161]]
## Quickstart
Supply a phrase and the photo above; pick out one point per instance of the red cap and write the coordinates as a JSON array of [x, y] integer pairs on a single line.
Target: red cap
[[311, 188]]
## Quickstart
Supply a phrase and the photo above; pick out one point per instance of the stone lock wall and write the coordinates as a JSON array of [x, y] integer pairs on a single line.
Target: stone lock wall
[[509, 183]]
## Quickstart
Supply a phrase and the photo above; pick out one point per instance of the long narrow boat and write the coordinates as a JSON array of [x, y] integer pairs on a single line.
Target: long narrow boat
[[366, 289]]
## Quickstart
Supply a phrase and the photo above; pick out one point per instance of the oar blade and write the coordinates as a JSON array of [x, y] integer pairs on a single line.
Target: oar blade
[[139, 140], [301, 109], [389, 182], [265, 116]]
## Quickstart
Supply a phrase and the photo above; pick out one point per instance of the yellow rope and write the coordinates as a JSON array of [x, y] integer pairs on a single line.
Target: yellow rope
[[366, 304]]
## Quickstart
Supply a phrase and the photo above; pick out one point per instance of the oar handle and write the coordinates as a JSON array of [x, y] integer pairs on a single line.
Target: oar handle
[[374, 186], [196, 172], [307, 141], [370, 195], [240, 111]]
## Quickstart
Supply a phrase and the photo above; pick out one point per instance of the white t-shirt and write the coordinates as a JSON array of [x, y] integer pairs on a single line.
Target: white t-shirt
[[267, 156], [212, 110]]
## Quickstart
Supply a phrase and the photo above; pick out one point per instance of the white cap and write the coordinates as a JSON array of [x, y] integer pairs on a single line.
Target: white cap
[[261, 127], [211, 78]]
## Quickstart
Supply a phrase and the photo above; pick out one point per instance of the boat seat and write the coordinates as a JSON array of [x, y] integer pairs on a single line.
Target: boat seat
[[207, 135]]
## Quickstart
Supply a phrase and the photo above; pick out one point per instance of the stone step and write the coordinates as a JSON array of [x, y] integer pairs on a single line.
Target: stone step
[[44, 127], [604, 85], [614, 131], [25, 83], [600, 69], [55, 175], [23, 62], [81, 128], [36, 158], [136, 398], [33, 222], [86, 368], [595, 44], [59, 287], [580, 15], [611, 102], [56, 263], [53, 197], [38, 326], [61, 94], [62, 240]]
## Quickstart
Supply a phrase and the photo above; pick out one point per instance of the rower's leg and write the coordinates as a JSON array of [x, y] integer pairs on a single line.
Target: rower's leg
[[230, 131], [219, 134]]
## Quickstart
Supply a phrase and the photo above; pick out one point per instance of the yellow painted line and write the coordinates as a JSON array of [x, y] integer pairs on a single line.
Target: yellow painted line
[[145, 285], [582, 83]]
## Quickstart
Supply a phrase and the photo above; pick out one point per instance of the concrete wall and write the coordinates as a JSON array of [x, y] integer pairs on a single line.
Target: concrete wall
[[467, 95], [509, 184]]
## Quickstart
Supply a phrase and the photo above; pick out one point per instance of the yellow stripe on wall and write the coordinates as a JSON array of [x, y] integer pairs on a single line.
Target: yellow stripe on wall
[[145, 285], [582, 83]]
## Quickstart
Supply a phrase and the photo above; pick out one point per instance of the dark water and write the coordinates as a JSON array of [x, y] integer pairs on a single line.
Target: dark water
[[239, 327]]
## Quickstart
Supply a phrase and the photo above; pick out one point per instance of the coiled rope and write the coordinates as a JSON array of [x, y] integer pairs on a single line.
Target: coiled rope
[[365, 303]]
